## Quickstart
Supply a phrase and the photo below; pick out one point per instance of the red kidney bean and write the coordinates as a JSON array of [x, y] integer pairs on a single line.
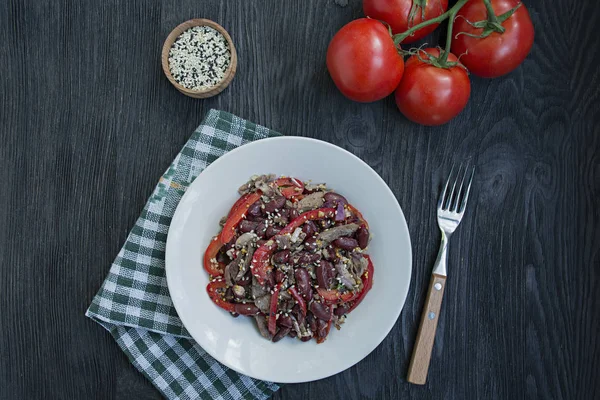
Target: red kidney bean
[[222, 258], [281, 257], [335, 198], [245, 280], [258, 219], [325, 274], [310, 228], [340, 310], [321, 311], [261, 229], [292, 334], [322, 329], [294, 214], [305, 257], [234, 314], [231, 243], [276, 204], [255, 209], [309, 294], [246, 309], [310, 243], [302, 281], [261, 242], [346, 243], [285, 321], [272, 231], [329, 253], [279, 275], [362, 236], [283, 332], [247, 226], [306, 338]]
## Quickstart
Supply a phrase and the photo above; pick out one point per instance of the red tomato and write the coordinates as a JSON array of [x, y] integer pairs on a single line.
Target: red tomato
[[363, 61], [499, 53], [430, 95], [397, 14]]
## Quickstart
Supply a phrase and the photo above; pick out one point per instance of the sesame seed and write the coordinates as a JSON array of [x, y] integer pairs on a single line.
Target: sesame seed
[[199, 58]]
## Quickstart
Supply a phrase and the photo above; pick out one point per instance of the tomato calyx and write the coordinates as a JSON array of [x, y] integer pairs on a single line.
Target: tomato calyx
[[450, 14], [414, 9], [492, 24], [440, 61]]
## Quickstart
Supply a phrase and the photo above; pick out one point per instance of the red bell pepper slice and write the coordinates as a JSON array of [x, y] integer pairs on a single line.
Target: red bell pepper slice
[[290, 187], [237, 215], [298, 298], [334, 296], [262, 255], [360, 217], [319, 213], [239, 201], [216, 297], [367, 279], [273, 309], [211, 265]]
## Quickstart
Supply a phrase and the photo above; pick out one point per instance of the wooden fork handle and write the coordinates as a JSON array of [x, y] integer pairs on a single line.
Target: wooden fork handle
[[419, 363]]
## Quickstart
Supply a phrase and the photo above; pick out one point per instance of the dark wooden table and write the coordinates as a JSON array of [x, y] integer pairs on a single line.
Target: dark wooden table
[[88, 123]]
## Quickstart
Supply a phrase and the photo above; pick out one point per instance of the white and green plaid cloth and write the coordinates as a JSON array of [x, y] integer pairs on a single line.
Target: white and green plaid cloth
[[133, 303]]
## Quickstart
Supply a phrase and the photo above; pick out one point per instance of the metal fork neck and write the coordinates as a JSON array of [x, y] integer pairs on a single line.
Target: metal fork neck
[[441, 262]]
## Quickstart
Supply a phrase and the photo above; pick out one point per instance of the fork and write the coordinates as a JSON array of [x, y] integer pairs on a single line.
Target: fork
[[450, 210]]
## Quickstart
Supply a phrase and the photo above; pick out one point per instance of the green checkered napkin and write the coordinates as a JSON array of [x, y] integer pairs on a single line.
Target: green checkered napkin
[[133, 303]]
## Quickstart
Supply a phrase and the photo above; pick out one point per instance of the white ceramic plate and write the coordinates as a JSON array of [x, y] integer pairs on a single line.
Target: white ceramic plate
[[236, 342]]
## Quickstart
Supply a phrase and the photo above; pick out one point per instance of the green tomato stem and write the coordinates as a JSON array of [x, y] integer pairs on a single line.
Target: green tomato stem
[[446, 53], [490, 11], [398, 38]]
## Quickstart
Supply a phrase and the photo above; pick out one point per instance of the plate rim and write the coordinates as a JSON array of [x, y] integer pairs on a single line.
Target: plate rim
[[403, 294]]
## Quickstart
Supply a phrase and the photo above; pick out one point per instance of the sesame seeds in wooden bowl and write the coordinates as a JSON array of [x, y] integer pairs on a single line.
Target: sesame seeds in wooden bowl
[[199, 58]]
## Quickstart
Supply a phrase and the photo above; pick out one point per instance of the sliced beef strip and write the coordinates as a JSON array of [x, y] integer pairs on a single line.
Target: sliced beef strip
[[245, 239], [245, 265], [358, 265], [346, 277], [311, 202], [257, 289], [336, 232], [263, 327], [231, 271], [254, 182], [283, 241], [315, 186], [263, 303]]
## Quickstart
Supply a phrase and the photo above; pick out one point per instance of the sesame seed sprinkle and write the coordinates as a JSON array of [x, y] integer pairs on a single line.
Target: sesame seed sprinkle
[[199, 58]]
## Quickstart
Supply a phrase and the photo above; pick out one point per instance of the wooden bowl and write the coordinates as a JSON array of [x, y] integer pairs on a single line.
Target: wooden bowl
[[229, 74]]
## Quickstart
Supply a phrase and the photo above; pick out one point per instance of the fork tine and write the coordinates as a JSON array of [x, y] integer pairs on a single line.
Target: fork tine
[[443, 195], [450, 201], [460, 192], [463, 203]]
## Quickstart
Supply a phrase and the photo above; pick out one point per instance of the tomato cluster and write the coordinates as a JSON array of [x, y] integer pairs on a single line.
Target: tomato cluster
[[488, 38]]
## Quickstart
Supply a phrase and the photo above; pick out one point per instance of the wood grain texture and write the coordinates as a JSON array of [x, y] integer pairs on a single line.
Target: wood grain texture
[[88, 123], [421, 352]]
